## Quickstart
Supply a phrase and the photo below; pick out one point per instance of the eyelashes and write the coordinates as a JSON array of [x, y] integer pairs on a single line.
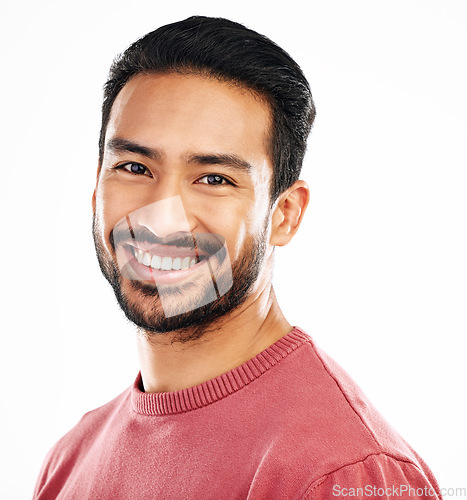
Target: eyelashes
[[134, 168], [138, 169], [214, 180]]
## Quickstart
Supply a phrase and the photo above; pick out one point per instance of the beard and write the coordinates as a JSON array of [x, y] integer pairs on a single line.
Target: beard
[[141, 301]]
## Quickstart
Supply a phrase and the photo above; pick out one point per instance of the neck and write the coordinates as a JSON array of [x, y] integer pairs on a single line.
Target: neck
[[170, 366]]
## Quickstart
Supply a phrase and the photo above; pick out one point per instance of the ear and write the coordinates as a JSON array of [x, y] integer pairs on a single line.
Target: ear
[[288, 213]]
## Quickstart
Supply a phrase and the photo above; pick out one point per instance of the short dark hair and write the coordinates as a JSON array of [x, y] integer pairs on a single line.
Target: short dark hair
[[229, 51]]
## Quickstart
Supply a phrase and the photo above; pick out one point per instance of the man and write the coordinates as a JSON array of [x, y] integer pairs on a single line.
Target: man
[[204, 129]]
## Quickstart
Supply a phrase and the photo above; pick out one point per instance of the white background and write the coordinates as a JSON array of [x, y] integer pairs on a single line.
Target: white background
[[377, 275]]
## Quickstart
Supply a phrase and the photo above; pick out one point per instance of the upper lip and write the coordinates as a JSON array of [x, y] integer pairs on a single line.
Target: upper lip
[[167, 250]]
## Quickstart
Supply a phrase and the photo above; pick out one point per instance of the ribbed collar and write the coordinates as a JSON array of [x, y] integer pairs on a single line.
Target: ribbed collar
[[166, 403]]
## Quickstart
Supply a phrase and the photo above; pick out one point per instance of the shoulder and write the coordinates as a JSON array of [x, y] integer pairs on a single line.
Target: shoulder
[[343, 405], [93, 421], [333, 425], [377, 476], [76, 442]]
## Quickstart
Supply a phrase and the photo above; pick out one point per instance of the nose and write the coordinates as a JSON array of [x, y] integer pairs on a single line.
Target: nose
[[163, 217]]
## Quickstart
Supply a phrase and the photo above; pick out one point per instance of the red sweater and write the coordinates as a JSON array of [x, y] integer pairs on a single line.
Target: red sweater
[[288, 424]]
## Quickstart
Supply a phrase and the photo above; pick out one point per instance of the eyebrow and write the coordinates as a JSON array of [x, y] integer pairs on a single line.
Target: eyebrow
[[226, 160], [124, 146]]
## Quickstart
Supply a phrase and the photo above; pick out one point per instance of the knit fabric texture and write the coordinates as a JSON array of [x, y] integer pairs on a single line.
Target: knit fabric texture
[[287, 424]]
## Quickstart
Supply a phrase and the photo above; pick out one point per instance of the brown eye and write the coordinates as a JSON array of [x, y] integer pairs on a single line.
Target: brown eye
[[213, 180], [135, 168]]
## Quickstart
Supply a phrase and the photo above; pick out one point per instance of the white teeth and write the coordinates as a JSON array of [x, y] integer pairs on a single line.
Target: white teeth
[[156, 262], [147, 259], [139, 256], [166, 263]]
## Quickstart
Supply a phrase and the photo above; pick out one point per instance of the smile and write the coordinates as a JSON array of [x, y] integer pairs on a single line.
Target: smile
[[166, 263]]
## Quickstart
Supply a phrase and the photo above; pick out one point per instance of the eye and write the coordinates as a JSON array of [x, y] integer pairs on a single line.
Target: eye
[[134, 168], [213, 180]]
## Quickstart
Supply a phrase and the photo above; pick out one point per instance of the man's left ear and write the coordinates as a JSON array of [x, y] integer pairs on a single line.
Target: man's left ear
[[288, 213]]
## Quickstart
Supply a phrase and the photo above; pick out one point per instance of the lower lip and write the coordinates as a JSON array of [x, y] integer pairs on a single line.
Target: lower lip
[[145, 273]]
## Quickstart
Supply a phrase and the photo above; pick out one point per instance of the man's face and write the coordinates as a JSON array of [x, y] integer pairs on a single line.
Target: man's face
[[182, 207]]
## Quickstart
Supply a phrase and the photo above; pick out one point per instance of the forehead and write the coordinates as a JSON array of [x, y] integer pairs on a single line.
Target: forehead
[[178, 113]]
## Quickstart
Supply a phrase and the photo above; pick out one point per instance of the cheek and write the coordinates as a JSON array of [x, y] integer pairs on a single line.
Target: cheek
[[223, 217], [259, 208], [255, 216], [113, 204], [108, 212]]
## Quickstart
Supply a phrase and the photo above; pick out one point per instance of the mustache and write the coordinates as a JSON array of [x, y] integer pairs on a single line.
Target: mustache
[[209, 243]]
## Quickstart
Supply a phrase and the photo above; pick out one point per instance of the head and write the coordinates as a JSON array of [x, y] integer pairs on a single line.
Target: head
[[213, 117], [227, 51]]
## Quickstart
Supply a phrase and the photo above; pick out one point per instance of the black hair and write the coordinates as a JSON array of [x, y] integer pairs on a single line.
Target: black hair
[[228, 51]]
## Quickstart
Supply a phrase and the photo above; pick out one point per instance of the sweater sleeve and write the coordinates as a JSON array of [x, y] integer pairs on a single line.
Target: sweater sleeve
[[377, 477]]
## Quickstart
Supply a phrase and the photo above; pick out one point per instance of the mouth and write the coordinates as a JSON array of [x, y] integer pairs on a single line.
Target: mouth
[[163, 265], [166, 262]]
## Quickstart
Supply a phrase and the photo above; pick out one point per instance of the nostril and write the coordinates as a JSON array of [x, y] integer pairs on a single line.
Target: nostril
[[163, 217]]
